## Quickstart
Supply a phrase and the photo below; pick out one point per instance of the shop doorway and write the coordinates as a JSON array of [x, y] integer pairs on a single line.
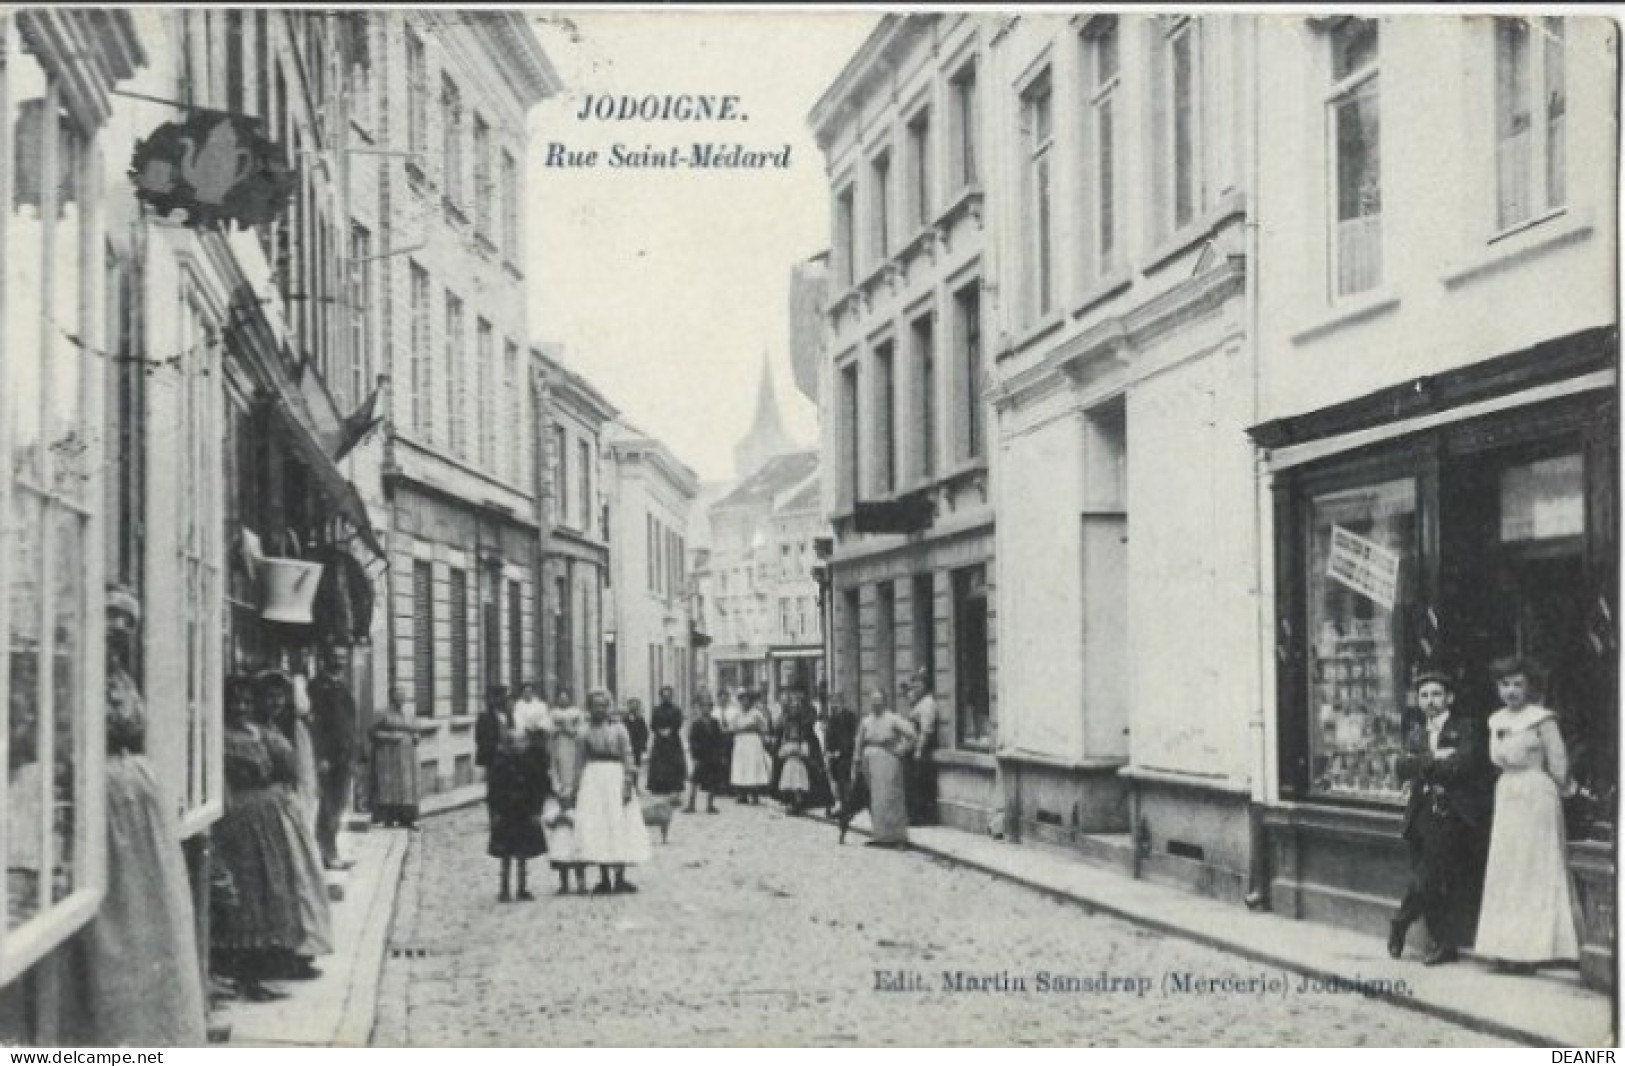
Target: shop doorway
[[974, 721]]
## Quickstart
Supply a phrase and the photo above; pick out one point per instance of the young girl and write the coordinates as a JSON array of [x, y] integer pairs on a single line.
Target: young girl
[[1528, 913]]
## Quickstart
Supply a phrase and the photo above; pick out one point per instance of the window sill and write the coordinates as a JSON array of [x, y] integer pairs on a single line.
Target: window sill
[[416, 177], [513, 270], [1199, 229], [1352, 311], [924, 242], [1034, 333], [839, 305], [967, 202], [454, 212], [1105, 290], [1527, 240], [485, 244]]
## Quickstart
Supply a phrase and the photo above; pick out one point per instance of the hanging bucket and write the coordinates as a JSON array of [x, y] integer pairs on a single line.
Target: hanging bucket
[[288, 588]]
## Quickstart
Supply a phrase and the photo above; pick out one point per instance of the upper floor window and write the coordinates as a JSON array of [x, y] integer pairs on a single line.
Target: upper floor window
[[851, 435], [482, 176], [919, 158], [845, 238], [1038, 130], [968, 380], [885, 420], [1177, 93], [1352, 109], [962, 90], [451, 131], [922, 334], [422, 362], [417, 95], [1101, 137], [456, 378], [1530, 104], [880, 185], [510, 206]]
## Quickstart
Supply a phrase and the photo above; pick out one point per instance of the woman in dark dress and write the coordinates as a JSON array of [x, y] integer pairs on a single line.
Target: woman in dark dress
[[708, 753], [515, 788], [668, 769], [799, 781], [840, 738]]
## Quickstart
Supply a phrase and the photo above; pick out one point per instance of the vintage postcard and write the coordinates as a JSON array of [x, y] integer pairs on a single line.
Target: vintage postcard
[[830, 527]]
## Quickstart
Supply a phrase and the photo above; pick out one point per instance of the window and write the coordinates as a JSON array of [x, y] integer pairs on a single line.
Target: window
[[417, 95], [234, 61], [923, 603], [851, 434], [360, 87], [486, 400], [584, 483], [973, 719], [919, 160], [423, 647], [845, 239], [483, 186], [1038, 130], [923, 336], [1352, 112], [880, 189], [422, 355], [886, 636], [510, 207], [968, 333], [48, 610], [885, 421], [360, 311], [457, 595], [516, 637], [963, 92], [1101, 137], [1176, 94], [456, 376], [649, 551], [559, 460], [451, 132], [510, 441], [1529, 149]]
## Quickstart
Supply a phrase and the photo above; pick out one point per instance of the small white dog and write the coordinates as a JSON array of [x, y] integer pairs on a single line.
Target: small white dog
[[658, 810]]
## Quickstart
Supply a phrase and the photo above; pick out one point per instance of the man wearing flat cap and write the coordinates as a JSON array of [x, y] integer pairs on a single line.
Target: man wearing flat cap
[[1446, 763]]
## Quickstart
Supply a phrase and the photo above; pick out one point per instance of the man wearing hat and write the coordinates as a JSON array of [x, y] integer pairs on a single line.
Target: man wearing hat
[[1446, 763], [333, 733]]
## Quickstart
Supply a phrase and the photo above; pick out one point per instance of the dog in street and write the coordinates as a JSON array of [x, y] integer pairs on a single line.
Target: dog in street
[[658, 810]]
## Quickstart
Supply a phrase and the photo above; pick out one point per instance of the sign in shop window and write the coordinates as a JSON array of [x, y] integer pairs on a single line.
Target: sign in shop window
[[1362, 545]]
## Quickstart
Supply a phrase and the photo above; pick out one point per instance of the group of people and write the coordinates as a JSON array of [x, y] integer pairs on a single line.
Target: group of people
[[1483, 845], [560, 784]]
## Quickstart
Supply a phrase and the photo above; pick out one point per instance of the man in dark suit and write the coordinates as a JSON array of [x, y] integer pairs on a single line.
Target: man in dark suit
[[333, 735], [1446, 761]]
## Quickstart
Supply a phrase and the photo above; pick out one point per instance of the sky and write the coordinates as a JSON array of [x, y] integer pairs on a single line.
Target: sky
[[667, 286]]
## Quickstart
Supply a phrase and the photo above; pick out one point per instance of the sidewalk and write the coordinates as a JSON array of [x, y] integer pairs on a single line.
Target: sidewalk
[[1552, 1010], [337, 1008]]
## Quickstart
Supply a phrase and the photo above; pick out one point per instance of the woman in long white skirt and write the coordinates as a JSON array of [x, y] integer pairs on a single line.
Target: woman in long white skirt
[[558, 812], [1527, 917], [609, 828], [751, 770]]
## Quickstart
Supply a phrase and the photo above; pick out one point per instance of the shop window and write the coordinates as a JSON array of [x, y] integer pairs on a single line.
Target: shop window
[[50, 611], [973, 717], [1360, 570]]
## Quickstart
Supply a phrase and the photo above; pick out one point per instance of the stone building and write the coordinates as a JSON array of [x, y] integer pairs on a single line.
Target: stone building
[[447, 141], [906, 427]]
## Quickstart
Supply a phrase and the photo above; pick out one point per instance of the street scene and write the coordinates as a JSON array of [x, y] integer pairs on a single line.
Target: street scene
[[558, 527]]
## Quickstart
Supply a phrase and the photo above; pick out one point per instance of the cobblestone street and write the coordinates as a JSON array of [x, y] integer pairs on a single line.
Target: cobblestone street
[[753, 928]]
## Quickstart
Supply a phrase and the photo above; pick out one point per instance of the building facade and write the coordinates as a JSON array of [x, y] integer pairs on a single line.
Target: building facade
[[1123, 373], [652, 641], [576, 572], [460, 465], [910, 476], [1474, 465]]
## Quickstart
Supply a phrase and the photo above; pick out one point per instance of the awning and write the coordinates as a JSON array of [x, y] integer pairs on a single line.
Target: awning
[[335, 488]]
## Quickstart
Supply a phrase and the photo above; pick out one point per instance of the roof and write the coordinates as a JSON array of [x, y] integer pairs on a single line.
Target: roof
[[777, 475], [808, 498]]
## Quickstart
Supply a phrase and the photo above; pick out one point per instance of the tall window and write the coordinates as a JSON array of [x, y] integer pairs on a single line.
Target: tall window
[[451, 132], [1039, 132], [1352, 111], [968, 333], [482, 177], [423, 638], [885, 420], [485, 365], [457, 592], [1177, 102], [1103, 78], [881, 190], [422, 355], [1530, 104], [922, 334], [456, 376], [516, 637], [510, 440], [851, 434], [584, 483], [561, 473], [510, 206], [886, 636], [846, 238], [417, 95], [962, 90], [919, 165], [360, 311], [234, 61]]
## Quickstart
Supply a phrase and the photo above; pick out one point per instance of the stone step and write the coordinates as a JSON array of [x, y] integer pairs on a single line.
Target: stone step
[[1113, 851]]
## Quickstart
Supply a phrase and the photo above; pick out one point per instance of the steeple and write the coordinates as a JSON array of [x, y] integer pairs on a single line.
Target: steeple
[[766, 437]]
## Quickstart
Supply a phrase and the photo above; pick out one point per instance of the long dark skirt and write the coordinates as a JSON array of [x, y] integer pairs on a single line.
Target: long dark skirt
[[667, 767], [514, 798]]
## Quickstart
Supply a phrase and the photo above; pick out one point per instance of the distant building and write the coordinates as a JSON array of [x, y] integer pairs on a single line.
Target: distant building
[[809, 295], [766, 437], [650, 499]]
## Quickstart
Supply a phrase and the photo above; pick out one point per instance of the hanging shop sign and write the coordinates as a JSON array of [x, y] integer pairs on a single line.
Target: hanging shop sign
[[1364, 566], [908, 515], [216, 167]]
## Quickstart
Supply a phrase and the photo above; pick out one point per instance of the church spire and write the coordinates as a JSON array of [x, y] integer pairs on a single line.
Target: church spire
[[767, 436]]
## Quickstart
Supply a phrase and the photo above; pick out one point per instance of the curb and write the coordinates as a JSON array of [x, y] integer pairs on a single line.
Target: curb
[[1477, 1023], [361, 1001]]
